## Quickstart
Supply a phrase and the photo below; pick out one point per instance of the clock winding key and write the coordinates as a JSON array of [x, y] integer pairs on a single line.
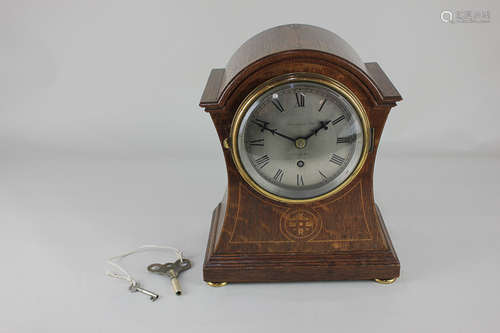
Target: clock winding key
[[172, 270], [134, 287]]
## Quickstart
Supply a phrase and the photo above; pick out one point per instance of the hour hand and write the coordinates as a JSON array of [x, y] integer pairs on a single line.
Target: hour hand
[[263, 125], [260, 122]]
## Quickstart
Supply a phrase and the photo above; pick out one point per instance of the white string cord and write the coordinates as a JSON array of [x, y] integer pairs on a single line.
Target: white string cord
[[123, 274]]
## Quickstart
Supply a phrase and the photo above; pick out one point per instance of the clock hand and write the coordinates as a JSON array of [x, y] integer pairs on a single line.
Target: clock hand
[[322, 126], [261, 122], [263, 126]]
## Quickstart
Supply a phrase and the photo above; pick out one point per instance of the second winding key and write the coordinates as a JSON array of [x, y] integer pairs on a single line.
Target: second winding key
[[172, 270]]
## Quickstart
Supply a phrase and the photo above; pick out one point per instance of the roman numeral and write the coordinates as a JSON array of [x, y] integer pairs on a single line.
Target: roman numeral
[[337, 159], [262, 161], [278, 176], [338, 120], [301, 99], [277, 104], [347, 139], [300, 180], [257, 142], [322, 104], [323, 175]]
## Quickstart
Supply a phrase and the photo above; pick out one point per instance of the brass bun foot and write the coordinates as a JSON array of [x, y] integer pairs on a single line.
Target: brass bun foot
[[385, 281], [216, 284]]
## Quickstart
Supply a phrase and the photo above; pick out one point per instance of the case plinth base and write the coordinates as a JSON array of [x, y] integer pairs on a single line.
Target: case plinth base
[[283, 267]]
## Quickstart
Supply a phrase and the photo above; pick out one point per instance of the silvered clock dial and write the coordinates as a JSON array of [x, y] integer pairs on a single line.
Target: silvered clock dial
[[300, 137]]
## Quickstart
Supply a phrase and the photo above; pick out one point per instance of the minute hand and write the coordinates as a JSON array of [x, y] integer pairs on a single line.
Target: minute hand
[[273, 131], [322, 126]]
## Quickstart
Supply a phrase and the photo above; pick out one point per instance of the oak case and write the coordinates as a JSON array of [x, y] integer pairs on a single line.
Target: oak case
[[342, 236]]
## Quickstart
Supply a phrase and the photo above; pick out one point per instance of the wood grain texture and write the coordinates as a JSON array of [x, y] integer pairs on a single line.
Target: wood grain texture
[[383, 83], [285, 38], [289, 41], [255, 239], [211, 92]]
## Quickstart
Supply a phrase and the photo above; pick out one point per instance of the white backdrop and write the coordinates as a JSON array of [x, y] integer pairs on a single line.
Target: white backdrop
[[103, 148], [125, 77]]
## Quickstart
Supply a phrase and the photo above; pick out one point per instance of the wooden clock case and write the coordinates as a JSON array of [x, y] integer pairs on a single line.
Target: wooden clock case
[[343, 237]]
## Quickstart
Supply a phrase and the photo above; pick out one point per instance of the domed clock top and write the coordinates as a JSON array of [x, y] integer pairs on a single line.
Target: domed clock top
[[290, 37]]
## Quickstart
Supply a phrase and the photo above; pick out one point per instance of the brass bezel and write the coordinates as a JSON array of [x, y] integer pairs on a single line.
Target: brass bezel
[[298, 77]]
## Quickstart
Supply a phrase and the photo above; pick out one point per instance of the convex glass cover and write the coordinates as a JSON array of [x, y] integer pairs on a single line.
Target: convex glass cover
[[300, 137]]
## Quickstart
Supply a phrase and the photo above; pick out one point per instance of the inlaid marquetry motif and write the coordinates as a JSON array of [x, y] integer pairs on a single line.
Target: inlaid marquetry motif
[[300, 224]]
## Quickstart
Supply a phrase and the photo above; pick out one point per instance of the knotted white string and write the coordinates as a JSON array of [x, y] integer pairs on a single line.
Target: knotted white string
[[123, 274]]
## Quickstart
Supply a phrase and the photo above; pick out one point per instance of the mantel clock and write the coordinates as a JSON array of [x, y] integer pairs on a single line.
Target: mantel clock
[[299, 118]]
